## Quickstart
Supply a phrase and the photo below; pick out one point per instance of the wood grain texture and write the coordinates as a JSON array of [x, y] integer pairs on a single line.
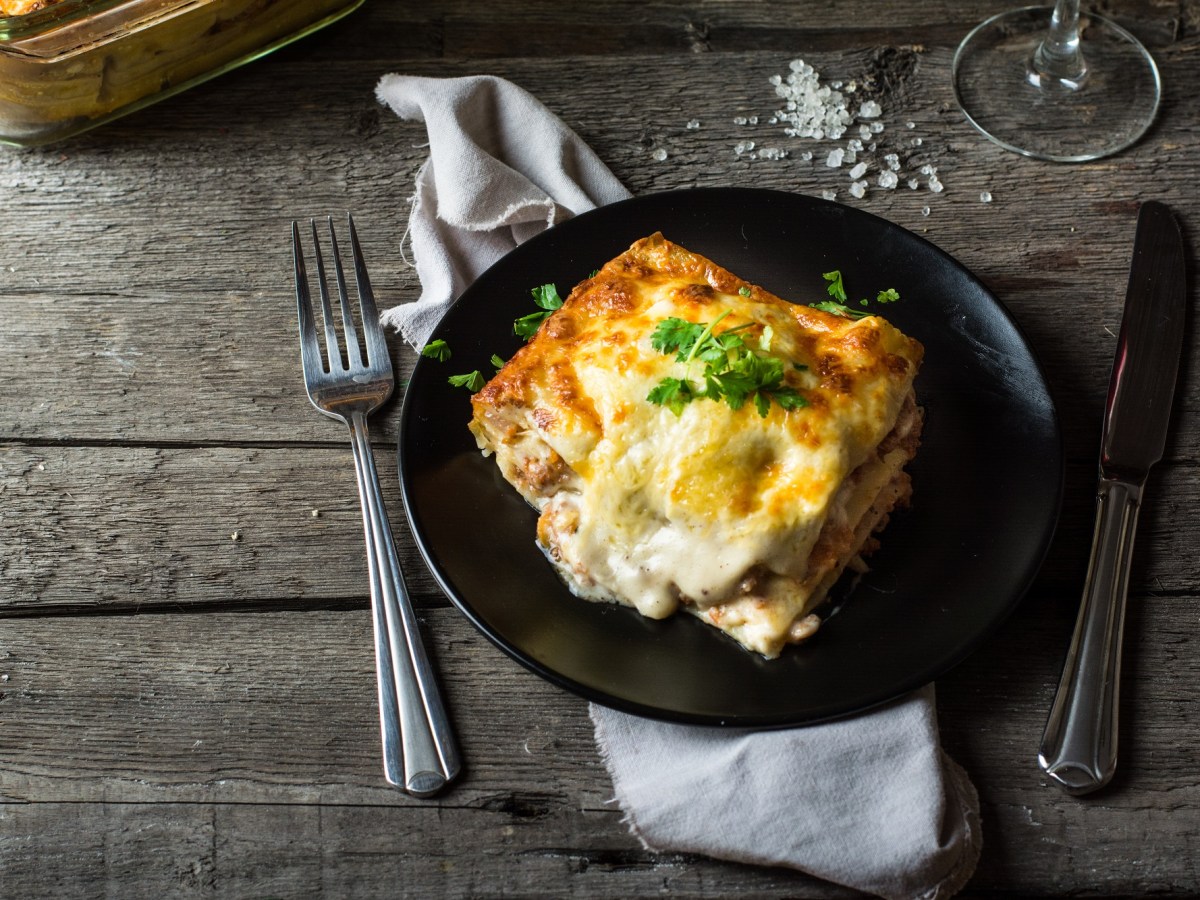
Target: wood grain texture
[[186, 713]]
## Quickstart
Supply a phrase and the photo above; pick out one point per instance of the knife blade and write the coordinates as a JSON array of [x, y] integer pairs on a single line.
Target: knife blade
[[1079, 747]]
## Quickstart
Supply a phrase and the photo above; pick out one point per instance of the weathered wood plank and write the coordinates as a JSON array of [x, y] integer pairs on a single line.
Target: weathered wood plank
[[234, 725], [118, 528], [210, 279]]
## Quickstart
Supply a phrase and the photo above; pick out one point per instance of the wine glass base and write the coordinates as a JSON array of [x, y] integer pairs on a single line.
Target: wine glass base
[[1105, 112]]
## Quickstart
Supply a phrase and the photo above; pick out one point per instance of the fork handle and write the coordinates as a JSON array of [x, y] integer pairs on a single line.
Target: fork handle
[[420, 754]]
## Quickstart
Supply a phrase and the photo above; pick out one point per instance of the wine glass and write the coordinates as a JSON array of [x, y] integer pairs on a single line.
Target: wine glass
[[1052, 84]]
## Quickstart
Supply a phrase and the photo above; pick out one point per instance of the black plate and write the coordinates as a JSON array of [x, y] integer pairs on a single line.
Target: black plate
[[987, 480]]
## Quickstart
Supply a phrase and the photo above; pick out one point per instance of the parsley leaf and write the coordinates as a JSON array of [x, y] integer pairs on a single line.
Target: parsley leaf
[[438, 350], [744, 291], [675, 335], [472, 381], [839, 309], [547, 297], [673, 393], [836, 289], [497, 362], [527, 326], [891, 295]]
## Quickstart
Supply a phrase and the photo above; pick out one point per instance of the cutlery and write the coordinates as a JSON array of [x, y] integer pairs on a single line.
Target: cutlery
[[348, 383], [1079, 747]]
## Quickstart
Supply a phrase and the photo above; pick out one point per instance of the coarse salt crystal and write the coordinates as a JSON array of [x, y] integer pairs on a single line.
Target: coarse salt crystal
[[834, 160], [854, 144], [910, 124], [828, 195], [806, 155], [772, 153], [743, 147], [935, 185], [914, 183], [869, 110], [858, 189], [917, 142], [858, 171], [876, 128], [888, 180], [812, 110], [924, 210], [865, 131], [660, 154], [893, 162], [985, 197], [739, 120], [693, 124]]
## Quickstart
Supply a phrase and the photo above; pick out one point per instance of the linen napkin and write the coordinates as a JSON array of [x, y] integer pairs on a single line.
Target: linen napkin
[[870, 802]]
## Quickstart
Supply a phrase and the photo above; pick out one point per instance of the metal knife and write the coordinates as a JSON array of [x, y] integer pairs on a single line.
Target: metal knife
[[1079, 748]]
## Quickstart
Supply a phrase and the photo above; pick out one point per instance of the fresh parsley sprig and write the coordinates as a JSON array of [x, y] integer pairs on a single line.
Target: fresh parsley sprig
[[547, 298], [733, 372], [837, 290]]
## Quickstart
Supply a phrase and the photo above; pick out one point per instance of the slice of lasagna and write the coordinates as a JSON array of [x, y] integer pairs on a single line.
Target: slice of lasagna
[[691, 440]]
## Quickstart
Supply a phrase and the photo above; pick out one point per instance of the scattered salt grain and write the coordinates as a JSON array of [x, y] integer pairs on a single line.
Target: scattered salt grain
[[753, 120], [910, 125], [693, 125], [888, 180], [913, 183], [869, 110], [772, 153], [806, 155], [834, 160], [828, 195], [865, 131], [877, 128], [924, 210], [740, 120], [893, 162], [858, 189], [985, 197], [659, 155], [858, 171], [935, 185], [854, 144], [917, 142], [743, 147]]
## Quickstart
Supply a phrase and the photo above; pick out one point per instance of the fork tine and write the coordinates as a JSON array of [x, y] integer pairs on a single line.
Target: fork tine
[[353, 351], [332, 350], [310, 349], [377, 351]]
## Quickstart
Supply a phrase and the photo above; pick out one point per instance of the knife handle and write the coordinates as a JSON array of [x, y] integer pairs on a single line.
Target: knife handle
[[1079, 748]]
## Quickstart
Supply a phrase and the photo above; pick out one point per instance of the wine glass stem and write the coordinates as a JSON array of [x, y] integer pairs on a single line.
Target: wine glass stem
[[1058, 59]]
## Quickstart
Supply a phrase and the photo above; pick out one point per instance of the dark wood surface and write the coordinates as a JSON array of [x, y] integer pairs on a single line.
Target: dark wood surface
[[183, 713]]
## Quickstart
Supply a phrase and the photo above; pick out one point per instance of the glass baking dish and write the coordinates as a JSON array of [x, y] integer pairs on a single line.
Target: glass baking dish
[[79, 63]]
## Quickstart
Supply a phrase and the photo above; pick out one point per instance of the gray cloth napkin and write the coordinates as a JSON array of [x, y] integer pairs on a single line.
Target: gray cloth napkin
[[870, 802]]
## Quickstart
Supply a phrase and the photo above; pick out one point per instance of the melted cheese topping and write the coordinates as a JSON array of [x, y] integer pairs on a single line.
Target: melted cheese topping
[[715, 508]]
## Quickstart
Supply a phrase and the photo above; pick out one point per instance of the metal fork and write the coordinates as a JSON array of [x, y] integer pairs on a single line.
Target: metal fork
[[419, 751]]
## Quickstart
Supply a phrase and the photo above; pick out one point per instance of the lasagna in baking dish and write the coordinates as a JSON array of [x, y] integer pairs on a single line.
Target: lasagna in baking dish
[[693, 442]]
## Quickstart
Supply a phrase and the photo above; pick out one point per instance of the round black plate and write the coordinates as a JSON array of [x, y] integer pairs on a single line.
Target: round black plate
[[987, 480]]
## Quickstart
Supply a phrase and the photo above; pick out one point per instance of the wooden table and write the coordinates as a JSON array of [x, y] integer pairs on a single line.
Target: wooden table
[[186, 681]]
